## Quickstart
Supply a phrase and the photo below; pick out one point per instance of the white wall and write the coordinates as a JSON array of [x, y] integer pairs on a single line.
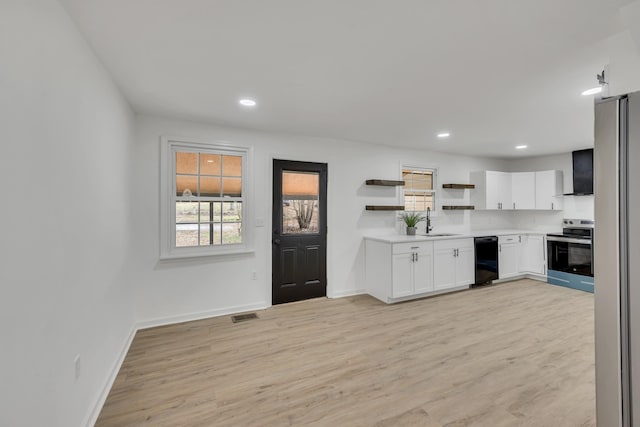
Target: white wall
[[574, 206], [189, 289], [66, 138]]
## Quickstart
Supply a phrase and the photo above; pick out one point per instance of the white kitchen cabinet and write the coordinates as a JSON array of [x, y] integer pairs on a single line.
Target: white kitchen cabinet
[[402, 282], [533, 254], [454, 263], [466, 264], [517, 190], [398, 271], [523, 190], [412, 269], [509, 256], [549, 185], [493, 190]]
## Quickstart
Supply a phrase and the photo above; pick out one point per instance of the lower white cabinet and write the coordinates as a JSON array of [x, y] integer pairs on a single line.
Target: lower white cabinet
[[509, 256], [398, 271], [520, 254], [412, 270], [532, 254], [454, 263]]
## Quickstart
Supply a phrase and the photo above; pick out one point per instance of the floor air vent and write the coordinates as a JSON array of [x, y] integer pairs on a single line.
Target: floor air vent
[[243, 317]]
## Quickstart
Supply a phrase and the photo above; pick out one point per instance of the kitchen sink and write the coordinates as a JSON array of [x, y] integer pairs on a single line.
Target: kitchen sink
[[437, 234]]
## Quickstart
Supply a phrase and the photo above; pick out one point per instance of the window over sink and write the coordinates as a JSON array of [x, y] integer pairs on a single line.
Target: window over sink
[[418, 192]]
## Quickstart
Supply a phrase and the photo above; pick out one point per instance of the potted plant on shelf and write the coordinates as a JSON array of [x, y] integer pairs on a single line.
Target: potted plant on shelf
[[411, 220]]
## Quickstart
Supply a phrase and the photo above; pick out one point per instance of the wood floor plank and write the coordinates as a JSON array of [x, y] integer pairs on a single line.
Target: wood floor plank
[[515, 354]]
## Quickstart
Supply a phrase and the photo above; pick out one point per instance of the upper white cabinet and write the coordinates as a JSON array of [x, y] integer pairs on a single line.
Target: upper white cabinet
[[523, 190], [493, 190], [549, 185], [517, 190]]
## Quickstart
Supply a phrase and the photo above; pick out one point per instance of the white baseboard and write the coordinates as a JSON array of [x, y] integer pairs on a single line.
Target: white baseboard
[[537, 277], [95, 412], [532, 276], [162, 321], [349, 293]]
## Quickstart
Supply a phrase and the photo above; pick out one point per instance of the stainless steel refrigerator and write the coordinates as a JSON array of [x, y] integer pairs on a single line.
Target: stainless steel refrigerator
[[617, 260]]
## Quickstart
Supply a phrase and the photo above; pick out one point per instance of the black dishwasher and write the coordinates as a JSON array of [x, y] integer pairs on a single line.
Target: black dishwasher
[[486, 259]]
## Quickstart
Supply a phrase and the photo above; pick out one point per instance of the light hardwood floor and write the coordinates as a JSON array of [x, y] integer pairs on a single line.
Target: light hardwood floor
[[515, 354]]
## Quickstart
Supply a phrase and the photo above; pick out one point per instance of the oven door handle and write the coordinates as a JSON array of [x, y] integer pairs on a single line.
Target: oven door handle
[[568, 240]]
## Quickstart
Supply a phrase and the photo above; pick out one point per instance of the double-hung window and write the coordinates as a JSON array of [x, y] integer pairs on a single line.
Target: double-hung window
[[204, 199], [418, 192]]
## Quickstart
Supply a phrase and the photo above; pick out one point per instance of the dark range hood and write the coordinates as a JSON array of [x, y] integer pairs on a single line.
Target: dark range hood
[[582, 173]]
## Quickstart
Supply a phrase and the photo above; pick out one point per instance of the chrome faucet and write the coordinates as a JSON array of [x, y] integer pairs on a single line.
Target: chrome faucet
[[429, 227]]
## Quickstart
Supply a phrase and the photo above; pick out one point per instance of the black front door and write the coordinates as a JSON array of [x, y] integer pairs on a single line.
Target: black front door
[[299, 241]]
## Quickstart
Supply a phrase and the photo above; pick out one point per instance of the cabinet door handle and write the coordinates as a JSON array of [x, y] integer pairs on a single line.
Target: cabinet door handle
[[415, 247], [416, 257], [514, 205], [500, 248], [413, 257], [551, 205], [519, 239]]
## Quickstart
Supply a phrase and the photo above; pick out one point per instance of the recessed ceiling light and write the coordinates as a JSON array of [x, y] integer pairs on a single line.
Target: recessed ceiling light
[[209, 161], [247, 102], [444, 135], [592, 91], [521, 147]]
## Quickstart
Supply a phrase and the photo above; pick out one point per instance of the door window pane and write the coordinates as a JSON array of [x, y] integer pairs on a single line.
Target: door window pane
[[300, 202]]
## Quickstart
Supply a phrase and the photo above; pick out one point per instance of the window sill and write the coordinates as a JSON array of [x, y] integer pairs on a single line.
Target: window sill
[[191, 255]]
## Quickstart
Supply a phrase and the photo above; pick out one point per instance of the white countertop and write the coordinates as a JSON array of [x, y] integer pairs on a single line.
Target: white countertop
[[403, 238]]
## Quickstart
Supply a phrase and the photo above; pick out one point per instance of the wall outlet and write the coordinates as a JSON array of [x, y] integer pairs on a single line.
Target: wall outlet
[[254, 276], [76, 366]]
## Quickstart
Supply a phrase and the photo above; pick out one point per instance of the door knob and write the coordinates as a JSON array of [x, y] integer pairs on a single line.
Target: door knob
[[276, 241]]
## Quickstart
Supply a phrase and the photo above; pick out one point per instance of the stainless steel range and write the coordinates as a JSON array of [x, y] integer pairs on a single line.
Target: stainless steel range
[[570, 255]]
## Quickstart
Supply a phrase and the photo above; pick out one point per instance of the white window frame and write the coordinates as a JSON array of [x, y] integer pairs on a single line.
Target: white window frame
[[168, 148], [434, 171]]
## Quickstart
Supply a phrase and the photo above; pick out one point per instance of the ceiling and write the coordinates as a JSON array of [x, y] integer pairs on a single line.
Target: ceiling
[[495, 73]]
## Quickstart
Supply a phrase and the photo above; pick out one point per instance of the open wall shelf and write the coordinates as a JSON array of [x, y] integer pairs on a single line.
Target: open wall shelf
[[384, 182], [459, 186], [384, 208], [458, 208]]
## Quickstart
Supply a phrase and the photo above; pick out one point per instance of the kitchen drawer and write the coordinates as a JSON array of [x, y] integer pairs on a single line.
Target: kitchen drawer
[[453, 244], [509, 239], [405, 248]]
